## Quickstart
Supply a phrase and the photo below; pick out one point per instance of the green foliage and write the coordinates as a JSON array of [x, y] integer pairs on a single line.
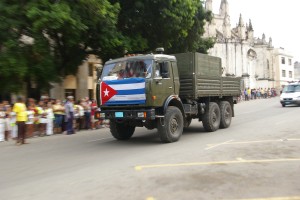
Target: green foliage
[[176, 25], [41, 41], [58, 34]]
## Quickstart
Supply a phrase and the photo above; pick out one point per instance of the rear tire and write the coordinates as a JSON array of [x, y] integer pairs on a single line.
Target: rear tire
[[212, 117], [226, 114], [121, 131], [170, 128]]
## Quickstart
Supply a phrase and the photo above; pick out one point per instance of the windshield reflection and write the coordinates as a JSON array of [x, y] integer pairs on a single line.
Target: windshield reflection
[[291, 88], [127, 69]]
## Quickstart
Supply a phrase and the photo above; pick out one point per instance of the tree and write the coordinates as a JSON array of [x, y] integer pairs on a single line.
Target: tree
[[176, 25], [43, 41]]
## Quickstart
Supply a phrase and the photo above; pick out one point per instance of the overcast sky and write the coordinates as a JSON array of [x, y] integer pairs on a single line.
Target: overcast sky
[[279, 19]]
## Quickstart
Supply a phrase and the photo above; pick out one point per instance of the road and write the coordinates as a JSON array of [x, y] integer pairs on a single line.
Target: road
[[257, 157]]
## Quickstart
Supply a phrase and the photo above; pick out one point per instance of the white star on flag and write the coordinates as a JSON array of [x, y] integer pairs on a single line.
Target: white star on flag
[[106, 92]]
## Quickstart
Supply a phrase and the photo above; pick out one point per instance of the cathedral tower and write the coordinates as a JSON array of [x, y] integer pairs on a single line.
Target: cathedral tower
[[224, 8], [208, 5], [250, 32], [227, 26], [241, 28]]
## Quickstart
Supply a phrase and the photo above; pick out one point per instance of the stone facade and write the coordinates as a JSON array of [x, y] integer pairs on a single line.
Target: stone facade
[[243, 55]]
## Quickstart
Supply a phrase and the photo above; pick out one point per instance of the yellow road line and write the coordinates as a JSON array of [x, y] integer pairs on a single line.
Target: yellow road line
[[250, 142], [239, 161], [216, 145], [276, 198]]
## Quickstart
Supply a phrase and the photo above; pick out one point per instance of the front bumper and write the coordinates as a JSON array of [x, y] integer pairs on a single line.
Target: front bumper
[[289, 101], [140, 114]]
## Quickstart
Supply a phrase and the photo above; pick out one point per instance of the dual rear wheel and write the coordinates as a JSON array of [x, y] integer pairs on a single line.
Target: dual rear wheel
[[217, 116]]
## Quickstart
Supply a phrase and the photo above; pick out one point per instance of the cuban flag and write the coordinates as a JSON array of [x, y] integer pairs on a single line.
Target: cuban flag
[[123, 92]]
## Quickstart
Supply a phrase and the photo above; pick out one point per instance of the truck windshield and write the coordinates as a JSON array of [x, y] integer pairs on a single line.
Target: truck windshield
[[291, 88], [127, 69]]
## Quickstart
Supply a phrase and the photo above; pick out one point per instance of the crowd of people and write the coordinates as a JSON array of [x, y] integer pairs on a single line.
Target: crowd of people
[[259, 93], [46, 117]]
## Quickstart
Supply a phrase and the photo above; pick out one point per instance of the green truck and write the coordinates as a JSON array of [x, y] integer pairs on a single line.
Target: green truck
[[165, 92]]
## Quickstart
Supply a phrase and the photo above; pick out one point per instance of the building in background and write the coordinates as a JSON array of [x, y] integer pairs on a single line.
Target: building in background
[[297, 71], [243, 55], [283, 62], [83, 84]]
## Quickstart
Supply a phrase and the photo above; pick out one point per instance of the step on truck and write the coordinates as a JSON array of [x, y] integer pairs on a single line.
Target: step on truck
[[165, 92]]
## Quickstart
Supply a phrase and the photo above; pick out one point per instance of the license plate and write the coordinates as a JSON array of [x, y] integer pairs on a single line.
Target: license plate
[[119, 114]]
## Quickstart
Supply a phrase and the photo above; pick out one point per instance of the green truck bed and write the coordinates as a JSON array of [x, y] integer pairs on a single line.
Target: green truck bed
[[200, 75]]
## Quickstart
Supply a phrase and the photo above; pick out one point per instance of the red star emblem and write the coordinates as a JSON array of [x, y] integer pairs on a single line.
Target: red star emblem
[[106, 92]]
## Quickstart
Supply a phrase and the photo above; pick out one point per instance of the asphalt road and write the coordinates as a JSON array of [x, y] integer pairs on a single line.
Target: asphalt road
[[257, 157]]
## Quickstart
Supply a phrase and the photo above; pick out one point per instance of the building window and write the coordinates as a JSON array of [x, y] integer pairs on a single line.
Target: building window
[[91, 69], [290, 74], [70, 92], [282, 60], [283, 73], [290, 61]]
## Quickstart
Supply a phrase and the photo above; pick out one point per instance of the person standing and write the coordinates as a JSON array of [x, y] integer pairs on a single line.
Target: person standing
[[50, 118], [87, 112], [93, 110], [69, 111], [2, 123], [59, 111], [20, 110]]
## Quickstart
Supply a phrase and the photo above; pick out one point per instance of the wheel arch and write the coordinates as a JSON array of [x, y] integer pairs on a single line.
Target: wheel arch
[[174, 101]]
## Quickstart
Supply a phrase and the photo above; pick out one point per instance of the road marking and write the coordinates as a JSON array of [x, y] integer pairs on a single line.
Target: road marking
[[100, 139], [238, 161], [216, 145], [276, 198], [250, 142], [150, 198]]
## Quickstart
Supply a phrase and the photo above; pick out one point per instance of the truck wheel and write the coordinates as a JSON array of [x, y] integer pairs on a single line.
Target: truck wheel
[[212, 117], [226, 114], [121, 131], [170, 128]]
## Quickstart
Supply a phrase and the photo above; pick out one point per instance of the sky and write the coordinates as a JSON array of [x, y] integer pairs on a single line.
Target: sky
[[278, 19]]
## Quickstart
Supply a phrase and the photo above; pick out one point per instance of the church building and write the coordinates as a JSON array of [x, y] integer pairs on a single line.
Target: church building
[[243, 55]]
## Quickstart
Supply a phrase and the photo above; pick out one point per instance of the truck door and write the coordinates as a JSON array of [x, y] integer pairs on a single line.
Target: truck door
[[163, 84]]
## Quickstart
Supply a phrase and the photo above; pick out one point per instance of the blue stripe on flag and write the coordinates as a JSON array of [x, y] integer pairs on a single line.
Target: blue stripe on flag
[[125, 102], [129, 92]]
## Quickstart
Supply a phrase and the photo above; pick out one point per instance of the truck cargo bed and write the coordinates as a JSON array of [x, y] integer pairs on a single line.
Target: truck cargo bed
[[200, 76]]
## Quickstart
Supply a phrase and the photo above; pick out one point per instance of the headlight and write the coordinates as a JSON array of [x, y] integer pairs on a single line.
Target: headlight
[[142, 114], [102, 115]]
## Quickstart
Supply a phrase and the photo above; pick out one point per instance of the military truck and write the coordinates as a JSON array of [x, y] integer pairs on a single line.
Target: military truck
[[165, 92]]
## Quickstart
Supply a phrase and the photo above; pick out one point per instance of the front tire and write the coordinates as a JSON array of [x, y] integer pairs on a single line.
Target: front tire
[[122, 130], [171, 127], [226, 114], [212, 117]]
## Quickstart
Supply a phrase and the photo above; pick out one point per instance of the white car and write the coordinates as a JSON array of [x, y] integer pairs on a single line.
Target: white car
[[290, 94]]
